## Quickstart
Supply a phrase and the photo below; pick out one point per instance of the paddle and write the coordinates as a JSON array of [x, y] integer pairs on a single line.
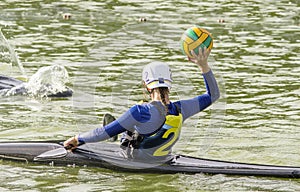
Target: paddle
[[53, 154], [108, 118]]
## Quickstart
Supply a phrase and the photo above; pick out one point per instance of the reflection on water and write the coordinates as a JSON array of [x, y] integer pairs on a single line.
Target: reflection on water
[[104, 47]]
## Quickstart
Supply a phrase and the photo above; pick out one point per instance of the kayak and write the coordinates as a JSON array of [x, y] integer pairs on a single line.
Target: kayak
[[9, 82], [106, 155]]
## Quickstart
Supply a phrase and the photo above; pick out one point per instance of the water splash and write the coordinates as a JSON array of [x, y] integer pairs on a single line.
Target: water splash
[[47, 81], [12, 58]]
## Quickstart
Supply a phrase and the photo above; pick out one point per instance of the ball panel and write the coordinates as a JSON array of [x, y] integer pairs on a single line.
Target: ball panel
[[191, 34], [186, 49], [205, 31], [187, 39], [199, 41], [207, 42], [197, 30], [184, 46]]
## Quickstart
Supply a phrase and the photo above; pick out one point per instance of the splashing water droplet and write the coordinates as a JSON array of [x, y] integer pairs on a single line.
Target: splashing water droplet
[[10, 57], [47, 81]]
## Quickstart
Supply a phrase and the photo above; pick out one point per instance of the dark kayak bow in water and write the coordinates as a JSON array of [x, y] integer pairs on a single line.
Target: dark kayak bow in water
[[106, 155]]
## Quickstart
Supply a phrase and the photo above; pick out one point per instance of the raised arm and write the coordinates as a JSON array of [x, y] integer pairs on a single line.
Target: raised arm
[[195, 105]]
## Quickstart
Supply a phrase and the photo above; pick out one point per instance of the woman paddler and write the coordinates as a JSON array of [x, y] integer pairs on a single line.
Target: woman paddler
[[151, 129]]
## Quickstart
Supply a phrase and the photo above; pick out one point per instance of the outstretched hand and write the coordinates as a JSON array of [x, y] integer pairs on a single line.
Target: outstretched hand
[[71, 143], [201, 59]]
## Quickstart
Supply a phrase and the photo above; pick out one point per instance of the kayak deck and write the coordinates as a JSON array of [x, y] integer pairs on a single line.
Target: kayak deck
[[106, 155]]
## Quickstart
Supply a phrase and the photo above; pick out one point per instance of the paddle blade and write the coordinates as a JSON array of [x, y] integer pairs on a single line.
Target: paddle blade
[[107, 119], [52, 154]]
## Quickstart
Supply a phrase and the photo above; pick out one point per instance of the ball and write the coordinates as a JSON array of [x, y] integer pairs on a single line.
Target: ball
[[194, 38]]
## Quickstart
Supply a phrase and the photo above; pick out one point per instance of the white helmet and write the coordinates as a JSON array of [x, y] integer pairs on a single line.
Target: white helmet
[[157, 74]]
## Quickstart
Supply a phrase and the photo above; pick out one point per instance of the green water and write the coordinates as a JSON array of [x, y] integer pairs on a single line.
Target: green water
[[104, 47]]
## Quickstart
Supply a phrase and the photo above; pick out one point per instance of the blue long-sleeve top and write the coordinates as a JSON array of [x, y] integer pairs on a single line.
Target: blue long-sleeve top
[[148, 117]]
